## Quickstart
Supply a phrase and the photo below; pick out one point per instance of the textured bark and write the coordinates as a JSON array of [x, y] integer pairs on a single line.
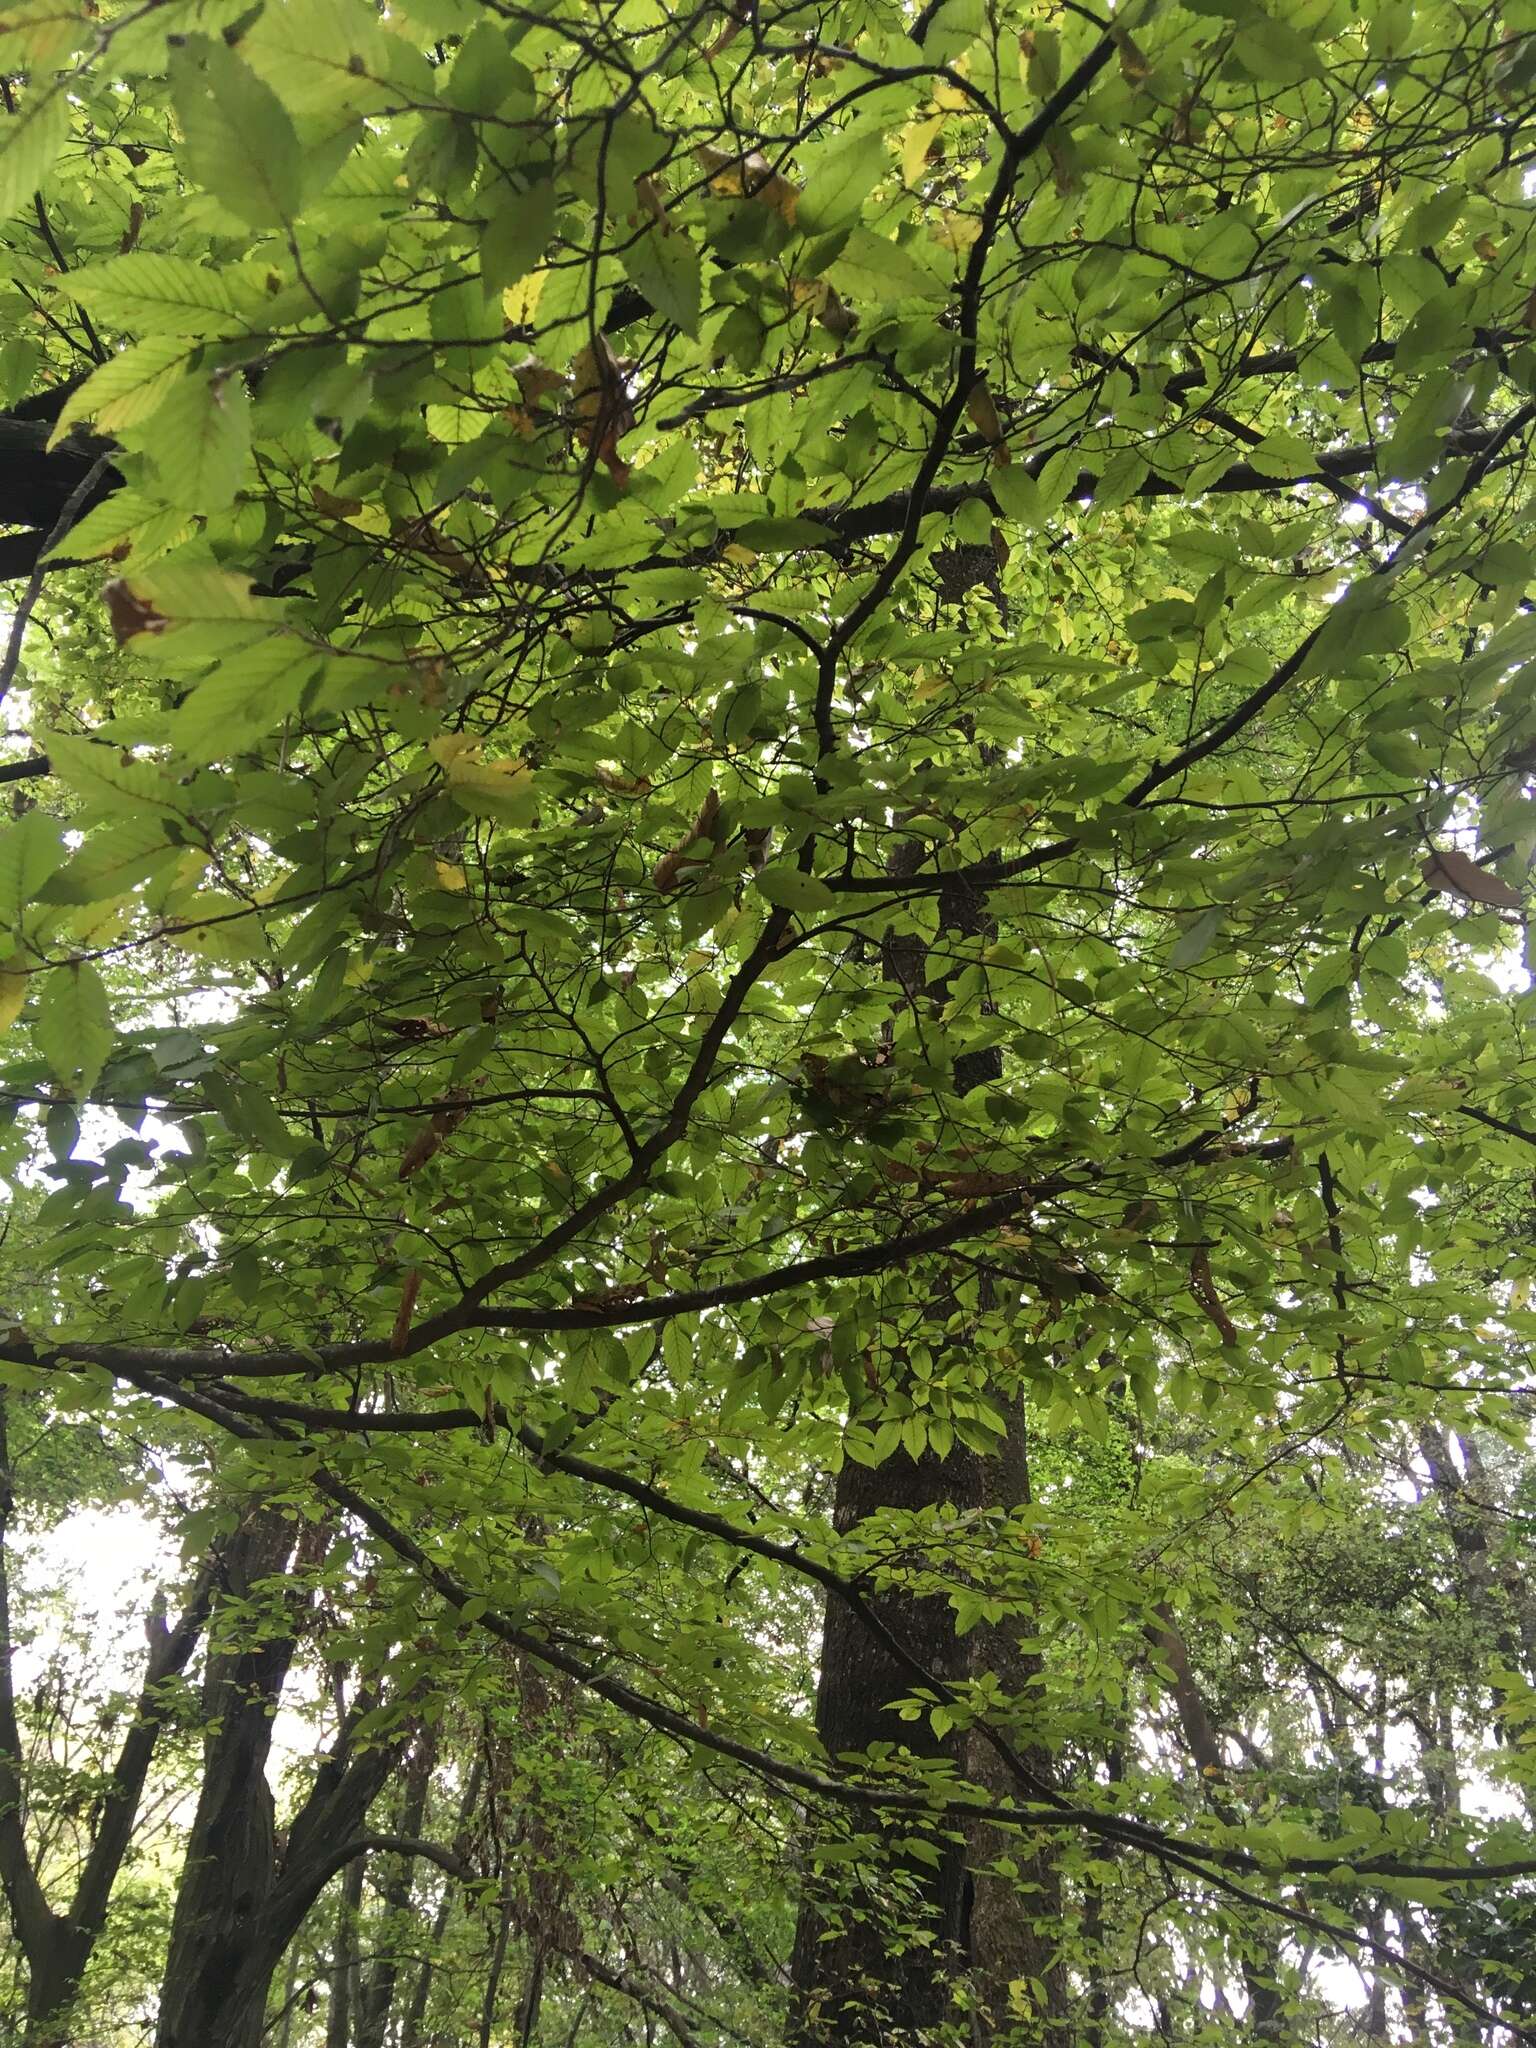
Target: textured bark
[[858, 1974], [864, 1984], [215, 1987], [242, 1898]]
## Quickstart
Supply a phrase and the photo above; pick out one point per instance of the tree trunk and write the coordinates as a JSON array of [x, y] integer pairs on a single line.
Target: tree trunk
[[218, 1967], [878, 1964], [858, 1975]]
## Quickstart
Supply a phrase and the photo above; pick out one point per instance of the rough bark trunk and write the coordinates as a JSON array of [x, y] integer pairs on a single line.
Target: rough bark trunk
[[240, 1903], [861, 1972], [217, 1968], [857, 1979]]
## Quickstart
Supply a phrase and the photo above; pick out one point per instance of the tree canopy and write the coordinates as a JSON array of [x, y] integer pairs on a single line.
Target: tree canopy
[[765, 991]]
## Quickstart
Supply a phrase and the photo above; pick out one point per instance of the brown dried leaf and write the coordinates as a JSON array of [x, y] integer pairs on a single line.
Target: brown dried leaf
[[129, 613], [1455, 873], [668, 870], [400, 1335], [602, 405], [750, 177]]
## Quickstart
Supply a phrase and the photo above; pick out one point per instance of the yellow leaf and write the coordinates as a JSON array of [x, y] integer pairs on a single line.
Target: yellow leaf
[[13, 991], [451, 876], [449, 746], [955, 231], [499, 789], [520, 301], [916, 141]]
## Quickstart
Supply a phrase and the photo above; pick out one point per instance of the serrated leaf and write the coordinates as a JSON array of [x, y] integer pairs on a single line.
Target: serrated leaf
[[238, 138], [501, 789], [1196, 940], [514, 239], [788, 889], [201, 438], [1282, 455], [246, 696], [30, 851], [125, 517], [73, 1027], [175, 594], [877, 272], [1273, 51], [766, 536], [15, 983], [40, 32], [1017, 494], [334, 57], [127, 388], [30, 141], [160, 294], [666, 268], [104, 779]]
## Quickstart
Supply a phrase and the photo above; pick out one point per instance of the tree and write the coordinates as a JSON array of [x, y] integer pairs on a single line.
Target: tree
[[771, 804]]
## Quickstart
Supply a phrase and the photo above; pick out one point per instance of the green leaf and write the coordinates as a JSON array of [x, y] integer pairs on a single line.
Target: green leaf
[[30, 141], [1274, 52], [238, 139], [247, 695], [201, 437], [839, 175], [1196, 940], [73, 1026], [109, 783], [1283, 455], [161, 294], [127, 387], [1018, 495], [666, 268], [193, 593], [30, 851], [788, 889], [514, 239], [34, 32], [334, 58], [879, 272], [773, 536], [486, 75], [129, 516]]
